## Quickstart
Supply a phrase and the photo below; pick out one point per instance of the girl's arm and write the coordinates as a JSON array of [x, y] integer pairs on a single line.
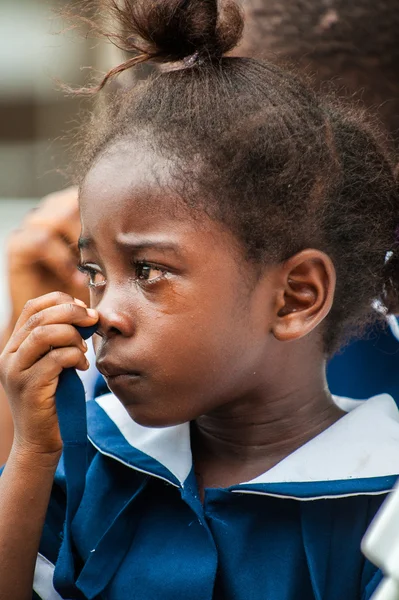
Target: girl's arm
[[43, 343], [25, 488]]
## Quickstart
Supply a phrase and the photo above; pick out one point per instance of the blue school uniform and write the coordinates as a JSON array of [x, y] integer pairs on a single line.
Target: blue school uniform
[[140, 531], [368, 366]]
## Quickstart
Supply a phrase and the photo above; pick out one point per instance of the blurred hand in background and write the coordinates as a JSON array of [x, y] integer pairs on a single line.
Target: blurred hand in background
[[42, 257], [43, 252]]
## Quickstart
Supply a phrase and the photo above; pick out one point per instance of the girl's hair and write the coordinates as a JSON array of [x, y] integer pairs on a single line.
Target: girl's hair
[[257, 150]]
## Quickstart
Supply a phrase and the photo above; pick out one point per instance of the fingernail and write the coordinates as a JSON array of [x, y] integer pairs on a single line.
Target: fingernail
[[92, 313], [85, 346], [80, 302]]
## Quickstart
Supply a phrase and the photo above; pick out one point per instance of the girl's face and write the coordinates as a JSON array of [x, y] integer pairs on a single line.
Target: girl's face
[[184, 321]]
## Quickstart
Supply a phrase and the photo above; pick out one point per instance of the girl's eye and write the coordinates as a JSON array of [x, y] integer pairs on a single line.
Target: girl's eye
[[94, 276], [145, 272]]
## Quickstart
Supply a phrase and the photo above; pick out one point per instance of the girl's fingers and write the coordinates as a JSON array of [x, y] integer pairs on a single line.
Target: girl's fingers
[[44, 339], [49, 367], [38, 304], [70, 313], [63, 358]]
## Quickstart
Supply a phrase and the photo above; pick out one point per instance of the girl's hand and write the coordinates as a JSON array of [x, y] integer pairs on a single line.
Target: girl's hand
[[44, 342]]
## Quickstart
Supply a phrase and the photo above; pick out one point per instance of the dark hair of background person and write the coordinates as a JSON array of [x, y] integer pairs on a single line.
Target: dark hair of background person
[[353, 43], [256, 149]]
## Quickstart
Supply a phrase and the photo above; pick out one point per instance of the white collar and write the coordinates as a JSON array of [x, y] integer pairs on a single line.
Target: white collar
[[362, 444], [170, 446]]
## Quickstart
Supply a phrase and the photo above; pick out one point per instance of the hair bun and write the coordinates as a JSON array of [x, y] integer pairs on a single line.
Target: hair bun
[[171, 30]]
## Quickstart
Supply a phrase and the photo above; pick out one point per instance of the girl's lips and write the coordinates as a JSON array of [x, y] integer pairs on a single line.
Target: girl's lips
[[111, 371]]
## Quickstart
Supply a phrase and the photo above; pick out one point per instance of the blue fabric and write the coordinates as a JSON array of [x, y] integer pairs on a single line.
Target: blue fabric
[[71, 410], [137, 536], [109, 440], [367, 367], [100, 387]]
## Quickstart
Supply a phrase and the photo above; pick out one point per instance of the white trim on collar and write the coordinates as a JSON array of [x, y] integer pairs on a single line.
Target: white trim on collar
[[43, 579], [362, 444], [170, 446]]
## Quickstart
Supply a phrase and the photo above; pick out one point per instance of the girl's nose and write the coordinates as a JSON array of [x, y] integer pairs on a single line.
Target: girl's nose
[[114, 321]]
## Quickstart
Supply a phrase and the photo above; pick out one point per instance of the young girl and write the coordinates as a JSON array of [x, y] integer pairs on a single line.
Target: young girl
[[234, 228]]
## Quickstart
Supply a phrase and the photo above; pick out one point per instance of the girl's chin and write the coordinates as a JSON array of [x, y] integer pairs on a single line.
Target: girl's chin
[[141, 407], [146, 417]]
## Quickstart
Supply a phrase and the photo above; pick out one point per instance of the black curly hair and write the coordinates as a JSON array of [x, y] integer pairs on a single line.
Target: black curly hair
[[257, 149]]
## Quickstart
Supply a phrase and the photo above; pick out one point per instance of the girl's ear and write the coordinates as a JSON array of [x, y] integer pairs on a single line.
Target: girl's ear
[[305, 295]]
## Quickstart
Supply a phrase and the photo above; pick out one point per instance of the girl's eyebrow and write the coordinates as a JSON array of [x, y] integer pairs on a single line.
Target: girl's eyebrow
[[133, 242]]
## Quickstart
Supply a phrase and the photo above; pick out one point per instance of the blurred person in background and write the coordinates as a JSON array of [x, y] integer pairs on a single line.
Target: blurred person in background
[[352, 44]]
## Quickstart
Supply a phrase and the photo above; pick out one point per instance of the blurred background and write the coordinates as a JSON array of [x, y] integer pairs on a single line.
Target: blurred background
[[36, 50]]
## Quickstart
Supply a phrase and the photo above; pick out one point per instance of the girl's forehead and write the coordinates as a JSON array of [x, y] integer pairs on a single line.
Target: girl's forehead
[[129, 191], [127, 181], [115, 214], [123, 165]]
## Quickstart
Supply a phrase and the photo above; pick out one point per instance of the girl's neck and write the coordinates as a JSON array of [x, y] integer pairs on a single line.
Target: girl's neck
[[244, 439]]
